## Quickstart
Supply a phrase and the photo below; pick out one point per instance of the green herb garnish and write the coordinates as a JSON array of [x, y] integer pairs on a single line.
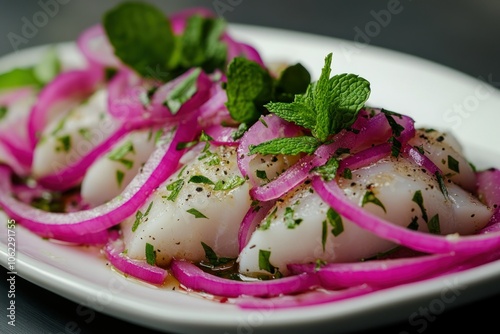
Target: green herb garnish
[[3, 112], [433, 225], [289, 220], [453, 164], [120, 175], [328, 171], [264, 263], [174, 188], [419, 199], [328, 106], [370, 197], [196, 213], [64, 143], [150, 254], [200, 179], [213, 258], [118, 154], [231, 183], [182, 92], [142, 38]]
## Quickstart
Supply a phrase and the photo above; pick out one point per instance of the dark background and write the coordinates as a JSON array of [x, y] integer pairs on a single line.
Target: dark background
[[463, 35], [460, 34]]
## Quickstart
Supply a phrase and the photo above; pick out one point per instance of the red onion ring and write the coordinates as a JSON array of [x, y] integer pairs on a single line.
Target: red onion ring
[[331, 193], [192, 277], [135, 268], [68, 226], [64, 88]]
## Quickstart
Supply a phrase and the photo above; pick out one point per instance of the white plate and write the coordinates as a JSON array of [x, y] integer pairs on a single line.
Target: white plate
[[434, 95]]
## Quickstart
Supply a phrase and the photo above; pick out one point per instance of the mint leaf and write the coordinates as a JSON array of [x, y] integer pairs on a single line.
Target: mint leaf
[[293, 80], [248, 88], [322, 100], [292, 146], [350, 93], [328, 171], [295, 112], [18, 77], [201, 44], [141, 36]]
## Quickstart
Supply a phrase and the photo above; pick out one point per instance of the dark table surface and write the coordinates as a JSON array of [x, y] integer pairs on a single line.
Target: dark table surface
[[463, 35]]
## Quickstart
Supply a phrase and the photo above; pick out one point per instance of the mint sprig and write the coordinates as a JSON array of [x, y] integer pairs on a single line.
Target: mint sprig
[[328, 106], [143, 39]]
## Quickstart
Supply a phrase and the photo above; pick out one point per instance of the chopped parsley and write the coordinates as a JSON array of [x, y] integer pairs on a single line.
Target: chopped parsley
[[413, 225], [196, 213], [289, 220], [453, 164], [182, 92], [232, 183], [267, 223], [328, 171], [85, 133], [261, 174], [174, 188], [419, 199], [395, 146], [433, 225], [200, 179], [213, 258], [264, 263], [120, 175], [64, 143], [139, 216], [334, 219], [150, 254], [396, 128], [119, 153], [347, 173], [369, 197]]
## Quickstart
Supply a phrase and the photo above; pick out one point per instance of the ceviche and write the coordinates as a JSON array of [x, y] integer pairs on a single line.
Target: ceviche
[[176, 150]]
